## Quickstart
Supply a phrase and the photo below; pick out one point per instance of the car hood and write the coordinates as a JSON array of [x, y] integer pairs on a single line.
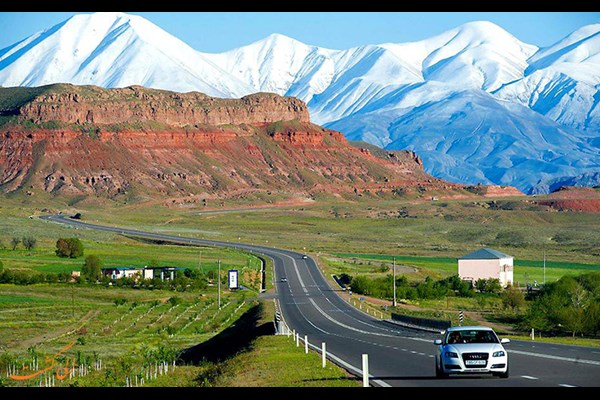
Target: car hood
[[474, 347]]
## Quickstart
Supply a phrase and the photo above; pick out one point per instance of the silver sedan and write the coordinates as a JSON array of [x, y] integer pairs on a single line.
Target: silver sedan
[[471, 350]]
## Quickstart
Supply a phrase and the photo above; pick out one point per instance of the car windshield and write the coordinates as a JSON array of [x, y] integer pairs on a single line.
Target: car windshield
[[471, 336]]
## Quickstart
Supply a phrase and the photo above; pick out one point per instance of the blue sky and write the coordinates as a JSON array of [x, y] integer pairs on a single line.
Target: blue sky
[[219, 31]]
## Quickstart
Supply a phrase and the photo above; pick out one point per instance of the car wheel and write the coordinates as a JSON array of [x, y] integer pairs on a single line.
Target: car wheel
[[438, 371], [503, 375]]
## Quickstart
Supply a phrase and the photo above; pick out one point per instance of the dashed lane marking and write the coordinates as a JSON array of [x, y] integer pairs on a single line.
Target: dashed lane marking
[[566, 385], [533, 378]]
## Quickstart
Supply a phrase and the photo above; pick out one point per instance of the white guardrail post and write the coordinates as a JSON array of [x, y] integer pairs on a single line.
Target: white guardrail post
[[365, 368], [305, 344], [323, 354], [297, 340]]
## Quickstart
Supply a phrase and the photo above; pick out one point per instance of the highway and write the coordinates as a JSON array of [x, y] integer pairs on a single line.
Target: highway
[[397, 356]]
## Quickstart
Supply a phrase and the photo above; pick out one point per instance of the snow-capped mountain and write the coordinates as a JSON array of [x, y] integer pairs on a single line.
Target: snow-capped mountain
[[475, 103], [113, 50]]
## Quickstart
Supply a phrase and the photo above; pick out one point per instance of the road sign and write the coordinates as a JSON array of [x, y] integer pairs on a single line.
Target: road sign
[[460, 317], [233, 279]]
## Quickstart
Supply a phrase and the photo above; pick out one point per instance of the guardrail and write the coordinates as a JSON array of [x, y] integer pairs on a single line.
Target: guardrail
[[434, 325]]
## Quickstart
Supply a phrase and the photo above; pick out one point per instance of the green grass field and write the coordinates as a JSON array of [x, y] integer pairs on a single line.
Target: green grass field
[[525, 271], [345, 236]]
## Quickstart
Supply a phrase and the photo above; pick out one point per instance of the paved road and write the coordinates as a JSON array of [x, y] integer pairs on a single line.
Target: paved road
[[397, 356]]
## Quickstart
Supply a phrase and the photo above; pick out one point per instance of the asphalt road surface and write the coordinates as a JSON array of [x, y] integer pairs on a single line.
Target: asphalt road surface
[[398, 356]]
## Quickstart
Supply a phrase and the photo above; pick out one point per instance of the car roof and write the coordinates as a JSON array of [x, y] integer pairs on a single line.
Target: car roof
[[467, 328]]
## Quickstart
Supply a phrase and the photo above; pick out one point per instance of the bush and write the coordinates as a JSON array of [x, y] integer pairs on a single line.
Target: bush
[[1, 266], [71, 247], [120, 302], [174, 301], [512, 298], [491, 285], [14, 242]]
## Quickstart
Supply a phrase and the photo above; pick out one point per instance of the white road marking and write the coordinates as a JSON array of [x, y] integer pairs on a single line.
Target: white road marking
[[421, 354], [566, 385], [404, 350], [575, 360], [344, 325], [414, 352], [533, 378], [430, 356]]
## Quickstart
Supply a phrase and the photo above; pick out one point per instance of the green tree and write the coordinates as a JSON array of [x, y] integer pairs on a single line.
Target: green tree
[[29, 242], [573, 319], [512, 298], [14, 242], [491, 285], [92, 268], [71, 247]]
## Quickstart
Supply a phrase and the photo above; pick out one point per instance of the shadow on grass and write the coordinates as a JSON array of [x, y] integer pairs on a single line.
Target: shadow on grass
[[237, 338], [350, 378]]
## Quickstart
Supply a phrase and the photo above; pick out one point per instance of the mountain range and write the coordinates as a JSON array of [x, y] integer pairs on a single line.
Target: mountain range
[[475, 103]]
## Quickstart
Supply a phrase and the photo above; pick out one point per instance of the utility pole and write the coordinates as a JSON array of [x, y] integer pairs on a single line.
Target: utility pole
[[219, 285], [394, 282], [73, 298], [544, 266]]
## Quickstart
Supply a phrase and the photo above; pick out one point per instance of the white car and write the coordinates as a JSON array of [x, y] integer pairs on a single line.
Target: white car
[[471, 350]]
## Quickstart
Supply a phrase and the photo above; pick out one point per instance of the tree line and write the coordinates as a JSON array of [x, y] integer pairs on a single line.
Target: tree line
[[569, 305]]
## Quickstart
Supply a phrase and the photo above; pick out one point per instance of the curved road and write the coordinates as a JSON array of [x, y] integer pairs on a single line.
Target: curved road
[[397, 356]]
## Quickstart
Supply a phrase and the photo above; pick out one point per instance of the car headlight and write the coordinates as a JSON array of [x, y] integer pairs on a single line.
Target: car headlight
[[498, 354], [450, 354]]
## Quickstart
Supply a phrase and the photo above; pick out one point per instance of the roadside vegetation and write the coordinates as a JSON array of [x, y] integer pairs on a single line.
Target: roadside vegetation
[[355, 240]]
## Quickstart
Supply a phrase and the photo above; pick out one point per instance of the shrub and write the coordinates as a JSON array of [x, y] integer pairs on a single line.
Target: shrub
[[14, 242], [174, 301], [491, 285], [120, 302], [512, 298]]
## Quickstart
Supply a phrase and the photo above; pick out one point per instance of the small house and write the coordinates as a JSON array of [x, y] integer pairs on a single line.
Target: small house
[[163, 273], [122, 272], [484, 264]]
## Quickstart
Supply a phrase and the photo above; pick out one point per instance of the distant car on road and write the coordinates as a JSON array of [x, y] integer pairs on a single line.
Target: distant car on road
[[284, 279], [304, 256], [471, 350]]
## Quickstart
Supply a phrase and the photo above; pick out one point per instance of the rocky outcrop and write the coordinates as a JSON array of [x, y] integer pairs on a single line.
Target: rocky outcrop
[[570, 198], [140, 143], [133, 105]]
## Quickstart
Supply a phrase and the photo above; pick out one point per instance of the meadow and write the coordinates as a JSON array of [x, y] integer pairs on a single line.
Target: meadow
[[362, 237]]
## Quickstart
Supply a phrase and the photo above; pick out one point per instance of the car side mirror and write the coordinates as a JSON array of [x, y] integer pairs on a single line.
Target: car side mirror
[[504, 340], [437, 342]]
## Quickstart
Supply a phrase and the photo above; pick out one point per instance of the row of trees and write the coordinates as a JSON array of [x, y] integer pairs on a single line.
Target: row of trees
[[512, 298], [571, 304], [29, 242], [428, 289]]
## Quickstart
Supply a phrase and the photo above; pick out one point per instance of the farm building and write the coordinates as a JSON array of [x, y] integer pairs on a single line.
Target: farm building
[[168, 273], [163, 273], [122, 272], [484, 264]]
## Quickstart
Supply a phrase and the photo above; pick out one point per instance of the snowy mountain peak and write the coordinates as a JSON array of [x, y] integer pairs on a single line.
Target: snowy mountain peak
[[474, 101]]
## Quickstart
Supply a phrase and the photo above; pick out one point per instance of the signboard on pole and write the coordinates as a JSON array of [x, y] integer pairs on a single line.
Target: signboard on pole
[[233, 279]]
